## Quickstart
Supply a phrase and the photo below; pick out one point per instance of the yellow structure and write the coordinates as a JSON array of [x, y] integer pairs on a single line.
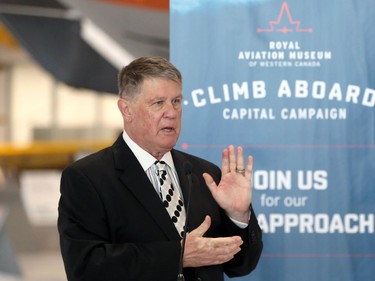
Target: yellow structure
[[46, 155]]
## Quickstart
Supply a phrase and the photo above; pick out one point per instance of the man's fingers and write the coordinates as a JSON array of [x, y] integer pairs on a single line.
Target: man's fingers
[[240, 162], [232, 158], [226, 245], [210, 182], [201, 230], [249, 167], [209, 251], [224, 253], [225, 161]]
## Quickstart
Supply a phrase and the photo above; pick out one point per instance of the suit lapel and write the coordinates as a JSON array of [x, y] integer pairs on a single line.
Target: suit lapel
[[135, 179]]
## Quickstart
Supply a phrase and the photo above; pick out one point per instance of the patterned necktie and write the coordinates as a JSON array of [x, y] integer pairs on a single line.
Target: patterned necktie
[[171, 197]]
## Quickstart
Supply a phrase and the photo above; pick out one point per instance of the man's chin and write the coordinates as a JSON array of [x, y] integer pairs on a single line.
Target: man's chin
[[168, 145]]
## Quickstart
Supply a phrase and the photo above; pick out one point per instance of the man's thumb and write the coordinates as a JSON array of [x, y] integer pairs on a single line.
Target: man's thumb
[[201, 230]]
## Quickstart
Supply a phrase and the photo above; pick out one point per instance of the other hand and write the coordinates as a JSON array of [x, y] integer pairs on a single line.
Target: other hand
[[204, 251]]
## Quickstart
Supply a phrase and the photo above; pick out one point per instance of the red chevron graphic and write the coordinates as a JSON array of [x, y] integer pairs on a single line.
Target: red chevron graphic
[[284, 29]]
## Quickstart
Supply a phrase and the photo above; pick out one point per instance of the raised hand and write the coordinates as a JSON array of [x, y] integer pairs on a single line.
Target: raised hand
[[234, 192]]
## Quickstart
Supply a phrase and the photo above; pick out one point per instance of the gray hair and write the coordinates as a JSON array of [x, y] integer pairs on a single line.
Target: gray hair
[[132, 76]]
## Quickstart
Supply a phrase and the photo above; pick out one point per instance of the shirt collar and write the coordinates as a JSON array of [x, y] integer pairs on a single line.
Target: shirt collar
[[144, 158]]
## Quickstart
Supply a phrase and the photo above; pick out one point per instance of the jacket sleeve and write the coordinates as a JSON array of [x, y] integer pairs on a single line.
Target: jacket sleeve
[[247, 259]]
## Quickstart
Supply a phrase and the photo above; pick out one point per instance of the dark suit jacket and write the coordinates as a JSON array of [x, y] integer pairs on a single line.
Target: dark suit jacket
[[113, 226]]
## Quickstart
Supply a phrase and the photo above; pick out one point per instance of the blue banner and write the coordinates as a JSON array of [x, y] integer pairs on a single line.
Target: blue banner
[[293, 82]]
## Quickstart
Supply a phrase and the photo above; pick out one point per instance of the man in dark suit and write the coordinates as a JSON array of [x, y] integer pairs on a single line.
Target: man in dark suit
[[114, 221]]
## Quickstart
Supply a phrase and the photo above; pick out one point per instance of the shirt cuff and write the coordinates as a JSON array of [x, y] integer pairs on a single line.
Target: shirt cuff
[[241, 224]]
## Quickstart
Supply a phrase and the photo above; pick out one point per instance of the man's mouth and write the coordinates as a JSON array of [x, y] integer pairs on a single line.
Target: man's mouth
[[168, 129]]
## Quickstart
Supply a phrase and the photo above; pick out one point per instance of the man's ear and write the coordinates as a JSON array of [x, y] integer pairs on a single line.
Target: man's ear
[[124, 107]]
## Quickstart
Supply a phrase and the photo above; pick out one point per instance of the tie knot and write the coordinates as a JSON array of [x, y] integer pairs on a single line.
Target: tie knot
[[161, 165]]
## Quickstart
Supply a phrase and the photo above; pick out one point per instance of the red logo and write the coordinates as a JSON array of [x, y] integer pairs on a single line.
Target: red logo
[[278, 26]]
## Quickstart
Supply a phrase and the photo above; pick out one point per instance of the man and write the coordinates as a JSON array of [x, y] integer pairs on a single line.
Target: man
[[114, 220]]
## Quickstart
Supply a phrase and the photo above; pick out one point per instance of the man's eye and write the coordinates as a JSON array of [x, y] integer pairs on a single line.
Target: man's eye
[[176, 101], [160, 102]]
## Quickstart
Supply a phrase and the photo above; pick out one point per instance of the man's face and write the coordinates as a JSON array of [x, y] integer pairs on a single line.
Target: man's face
[[153, 119]]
